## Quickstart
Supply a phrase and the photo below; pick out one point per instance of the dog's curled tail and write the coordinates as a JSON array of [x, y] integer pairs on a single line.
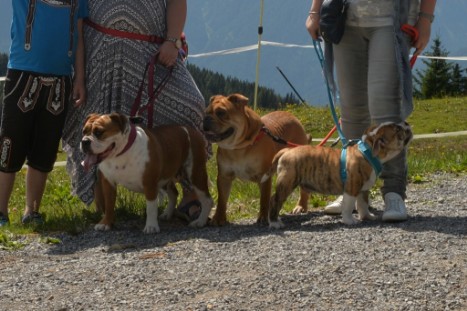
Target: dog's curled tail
[[275, 161]]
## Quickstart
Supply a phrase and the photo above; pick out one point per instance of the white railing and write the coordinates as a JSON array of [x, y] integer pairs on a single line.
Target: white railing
[[419, 136], [243, 49]]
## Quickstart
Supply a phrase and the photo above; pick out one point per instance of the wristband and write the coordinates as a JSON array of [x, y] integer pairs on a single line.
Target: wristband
[[429, 17]]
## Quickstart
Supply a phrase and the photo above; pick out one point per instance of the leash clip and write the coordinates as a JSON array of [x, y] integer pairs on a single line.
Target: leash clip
[[136, 120]]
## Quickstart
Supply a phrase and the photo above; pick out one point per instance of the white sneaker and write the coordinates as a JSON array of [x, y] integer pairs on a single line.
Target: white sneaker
[[395, 209], [335, 207]]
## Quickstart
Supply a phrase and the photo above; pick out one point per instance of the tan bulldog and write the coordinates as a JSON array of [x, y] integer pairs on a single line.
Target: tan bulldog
[[318, 169], [245, 149], [147, 161]]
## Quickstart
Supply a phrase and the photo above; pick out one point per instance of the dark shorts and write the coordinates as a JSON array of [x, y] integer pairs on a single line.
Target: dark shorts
[[33, 115]]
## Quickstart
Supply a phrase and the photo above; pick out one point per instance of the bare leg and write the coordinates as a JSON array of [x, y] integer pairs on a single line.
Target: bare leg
[[7, 181], [35, 186]]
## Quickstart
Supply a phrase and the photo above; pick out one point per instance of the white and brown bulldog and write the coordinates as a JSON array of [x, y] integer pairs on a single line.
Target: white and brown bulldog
[[146, 161], [245, 150], [318, 169]]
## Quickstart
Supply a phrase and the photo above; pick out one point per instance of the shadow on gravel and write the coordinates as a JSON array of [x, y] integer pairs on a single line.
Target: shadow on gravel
[[440, 224], [128, 235]]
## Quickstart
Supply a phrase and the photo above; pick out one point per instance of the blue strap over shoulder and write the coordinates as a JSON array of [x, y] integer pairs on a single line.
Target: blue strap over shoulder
[[368, 154], [343, 168]]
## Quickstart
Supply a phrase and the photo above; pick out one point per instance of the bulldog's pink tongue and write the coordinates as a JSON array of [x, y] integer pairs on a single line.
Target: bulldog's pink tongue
[[89, 161]]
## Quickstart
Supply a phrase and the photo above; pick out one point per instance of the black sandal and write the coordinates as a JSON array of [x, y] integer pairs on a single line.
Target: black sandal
[[32, 218], [184, 210]]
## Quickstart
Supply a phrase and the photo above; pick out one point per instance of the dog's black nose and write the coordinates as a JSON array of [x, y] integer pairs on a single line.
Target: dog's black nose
[[85, 144], [207, 123]]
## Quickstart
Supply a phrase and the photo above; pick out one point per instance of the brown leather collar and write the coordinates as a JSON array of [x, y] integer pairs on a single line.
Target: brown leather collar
[[131, 139]]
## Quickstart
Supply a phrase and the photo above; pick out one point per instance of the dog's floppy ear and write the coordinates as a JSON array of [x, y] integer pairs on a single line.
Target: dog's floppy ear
[[213, 98], [238, 99], [91, 116], [119, 119], [376, 142], [378, 145]]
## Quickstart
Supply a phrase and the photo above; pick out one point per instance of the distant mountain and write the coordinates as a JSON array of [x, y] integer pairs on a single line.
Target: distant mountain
[[215, 25], [212, 25]]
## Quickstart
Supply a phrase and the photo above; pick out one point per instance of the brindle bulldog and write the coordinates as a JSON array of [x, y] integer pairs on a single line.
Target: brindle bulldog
[[318, 169]]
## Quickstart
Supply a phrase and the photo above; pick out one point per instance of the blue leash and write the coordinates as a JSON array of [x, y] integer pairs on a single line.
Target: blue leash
[[332, 96], [362, 146], [331, 93]]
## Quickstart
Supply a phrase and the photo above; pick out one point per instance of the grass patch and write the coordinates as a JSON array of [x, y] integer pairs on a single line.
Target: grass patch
[[437, 154], [65, 213], [439, 115], [9, 241]]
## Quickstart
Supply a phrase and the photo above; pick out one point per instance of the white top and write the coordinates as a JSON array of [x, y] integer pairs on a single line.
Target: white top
[[377, 13]]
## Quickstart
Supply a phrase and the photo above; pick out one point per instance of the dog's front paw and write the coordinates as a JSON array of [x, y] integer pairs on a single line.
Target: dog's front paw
[[262, 221], [368, 216], [102, 227], [299, 210], [198, 223], [350, 221], [149, 229], [166, 215], [276, 224], [218, 221]]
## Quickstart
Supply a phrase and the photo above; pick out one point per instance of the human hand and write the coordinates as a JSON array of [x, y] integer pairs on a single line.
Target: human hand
[[79, 92], [312, 25], [424, 32], [168, 54]]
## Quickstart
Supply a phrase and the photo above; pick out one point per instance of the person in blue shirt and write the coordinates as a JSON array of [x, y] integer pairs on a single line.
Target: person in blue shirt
[[45, 75]]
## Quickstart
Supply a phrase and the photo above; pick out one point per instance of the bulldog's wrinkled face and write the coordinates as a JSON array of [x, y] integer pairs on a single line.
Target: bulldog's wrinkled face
[[226, 120], [388, 139], [103, 137]]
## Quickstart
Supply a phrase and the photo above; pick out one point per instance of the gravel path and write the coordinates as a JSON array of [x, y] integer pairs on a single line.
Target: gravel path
[[316, 263]]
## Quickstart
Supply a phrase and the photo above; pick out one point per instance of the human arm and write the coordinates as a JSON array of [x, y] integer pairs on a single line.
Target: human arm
[[176, 17], [79, 87], [312, 21], [423, 25]]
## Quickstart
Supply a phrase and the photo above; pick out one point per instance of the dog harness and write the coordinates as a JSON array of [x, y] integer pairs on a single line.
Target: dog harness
[[367, 153]]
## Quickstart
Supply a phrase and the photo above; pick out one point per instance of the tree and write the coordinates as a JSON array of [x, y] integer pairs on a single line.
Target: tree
[[434, 82], [212, 83], [458, 85], [440, 78]]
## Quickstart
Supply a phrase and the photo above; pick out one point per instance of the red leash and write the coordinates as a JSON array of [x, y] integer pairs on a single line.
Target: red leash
[[136, 110], [325, 139], [413, 34], [265, 130]]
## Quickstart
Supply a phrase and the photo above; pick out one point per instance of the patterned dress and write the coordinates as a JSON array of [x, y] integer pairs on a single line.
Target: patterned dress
[[115, 68]]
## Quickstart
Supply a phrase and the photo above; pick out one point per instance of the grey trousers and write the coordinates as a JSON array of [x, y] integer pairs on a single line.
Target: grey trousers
[[369, 86]]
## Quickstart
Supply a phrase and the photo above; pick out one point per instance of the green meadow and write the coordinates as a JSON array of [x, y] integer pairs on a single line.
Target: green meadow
[[65, 213]]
